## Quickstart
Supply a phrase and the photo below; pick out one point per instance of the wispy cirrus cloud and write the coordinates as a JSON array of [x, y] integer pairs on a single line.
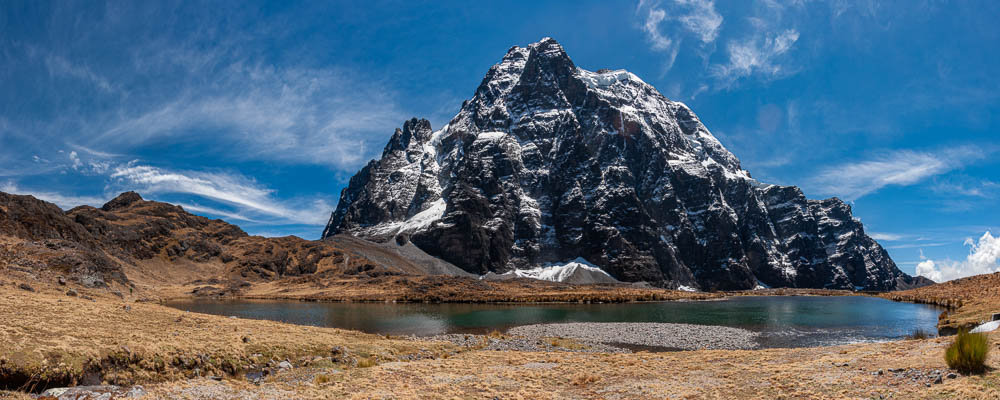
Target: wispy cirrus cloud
[[666, 24], [251, 200], [756, 55], [889, 237], [319, 116], [756, 46], [900, 168]]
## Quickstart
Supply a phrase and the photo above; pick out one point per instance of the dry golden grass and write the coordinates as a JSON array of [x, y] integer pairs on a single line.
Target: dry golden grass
[[43, 333], [813, 373], [565, 343], [367, 362], [55, 338], [585, 379], [970, 301]]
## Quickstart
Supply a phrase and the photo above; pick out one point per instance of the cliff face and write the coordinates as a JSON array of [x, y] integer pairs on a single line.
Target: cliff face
[[548, 163]]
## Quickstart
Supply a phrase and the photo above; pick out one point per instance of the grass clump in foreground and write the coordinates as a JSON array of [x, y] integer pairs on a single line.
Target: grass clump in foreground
[[968, 353], [367, 362], [919, 334]]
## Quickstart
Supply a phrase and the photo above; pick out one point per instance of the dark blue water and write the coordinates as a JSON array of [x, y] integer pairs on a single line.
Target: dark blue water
[[783, 321]]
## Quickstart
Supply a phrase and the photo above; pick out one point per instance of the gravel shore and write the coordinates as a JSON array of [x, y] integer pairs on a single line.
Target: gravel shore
[[524, 343], [677, 336]]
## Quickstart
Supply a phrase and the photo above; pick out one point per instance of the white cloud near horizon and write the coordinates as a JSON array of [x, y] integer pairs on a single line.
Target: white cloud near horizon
[[899, 168], [983, 258], [64, 201]]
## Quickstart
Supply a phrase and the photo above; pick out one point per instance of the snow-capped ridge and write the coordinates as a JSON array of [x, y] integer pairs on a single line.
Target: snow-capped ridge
[[557, 272], [547, 160], [606, 78]]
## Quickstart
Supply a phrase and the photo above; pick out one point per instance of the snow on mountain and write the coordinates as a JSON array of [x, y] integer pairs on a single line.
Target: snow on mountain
[[550, 162]]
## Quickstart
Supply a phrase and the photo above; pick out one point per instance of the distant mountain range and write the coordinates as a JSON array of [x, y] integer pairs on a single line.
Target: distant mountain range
[[549, 166]]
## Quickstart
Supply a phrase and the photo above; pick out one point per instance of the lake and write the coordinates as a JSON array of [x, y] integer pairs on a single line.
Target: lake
[[783, 321]]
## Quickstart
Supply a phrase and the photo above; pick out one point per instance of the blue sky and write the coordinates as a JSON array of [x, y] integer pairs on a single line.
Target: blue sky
[[259, 113]]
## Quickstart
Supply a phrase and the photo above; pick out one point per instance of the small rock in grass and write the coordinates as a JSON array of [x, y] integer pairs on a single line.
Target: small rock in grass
[[25, 286], [61, 280], [937, 379], [71, 293], [284, 365]]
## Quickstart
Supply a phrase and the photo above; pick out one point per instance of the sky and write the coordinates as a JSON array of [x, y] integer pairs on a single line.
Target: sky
[[260, 112]]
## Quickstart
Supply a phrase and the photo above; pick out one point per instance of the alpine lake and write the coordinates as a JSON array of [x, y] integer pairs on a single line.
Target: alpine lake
[[782, 321]]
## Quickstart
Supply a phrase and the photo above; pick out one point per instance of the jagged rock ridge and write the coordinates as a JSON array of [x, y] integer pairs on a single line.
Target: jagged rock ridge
[[549, 162]]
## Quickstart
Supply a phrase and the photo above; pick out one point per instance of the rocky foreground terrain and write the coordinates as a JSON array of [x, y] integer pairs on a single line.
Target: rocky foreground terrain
[[79, 293], [119, 346], [549, 163]]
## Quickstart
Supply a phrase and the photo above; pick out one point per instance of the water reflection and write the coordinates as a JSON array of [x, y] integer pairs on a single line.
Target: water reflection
[[783, 321]]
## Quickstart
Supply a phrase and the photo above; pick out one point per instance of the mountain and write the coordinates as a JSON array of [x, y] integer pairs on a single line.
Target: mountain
[[549, 163], [131, 242]]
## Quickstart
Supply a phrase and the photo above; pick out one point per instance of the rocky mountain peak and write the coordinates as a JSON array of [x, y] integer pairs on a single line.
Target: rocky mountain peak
[[416, 131], [549, 162], [122, 201]]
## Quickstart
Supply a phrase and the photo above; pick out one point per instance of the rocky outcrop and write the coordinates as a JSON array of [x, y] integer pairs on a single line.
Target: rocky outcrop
[[548, 162], [102, 247]]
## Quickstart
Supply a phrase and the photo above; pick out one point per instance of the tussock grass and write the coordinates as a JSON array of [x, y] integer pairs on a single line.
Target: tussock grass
[[322, 379], [919, 334], [367, 362], [565, 343], [968, 352], [585, 379]]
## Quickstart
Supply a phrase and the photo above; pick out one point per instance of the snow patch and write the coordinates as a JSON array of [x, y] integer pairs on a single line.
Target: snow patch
[[987, 327], [686, 288], [490, 136], [425, 217], [604, 79], [557, 272]]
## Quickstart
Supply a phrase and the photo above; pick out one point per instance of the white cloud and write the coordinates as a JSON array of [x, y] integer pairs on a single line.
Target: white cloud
[[316, 116], [229, 216], [64, 201], [667, 24], [76, 160], [702, 20], [983, 258], [245, 194], [900, 168], [652, 29], [758, 55], [889, 237], [60, 66], [918, 245]]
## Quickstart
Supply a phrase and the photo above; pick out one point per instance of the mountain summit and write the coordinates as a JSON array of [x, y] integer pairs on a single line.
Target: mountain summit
[[549, 163]]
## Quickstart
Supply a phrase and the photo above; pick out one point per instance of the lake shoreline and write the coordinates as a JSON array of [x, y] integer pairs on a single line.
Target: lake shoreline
[[750, 321], [174, 353]]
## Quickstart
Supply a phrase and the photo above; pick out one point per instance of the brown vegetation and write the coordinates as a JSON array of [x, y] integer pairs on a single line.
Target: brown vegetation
[[970, 301], [50, 339]]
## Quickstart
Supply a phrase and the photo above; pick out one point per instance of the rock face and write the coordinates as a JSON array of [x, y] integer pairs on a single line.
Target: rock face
[[105, 247], [549, 162]]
